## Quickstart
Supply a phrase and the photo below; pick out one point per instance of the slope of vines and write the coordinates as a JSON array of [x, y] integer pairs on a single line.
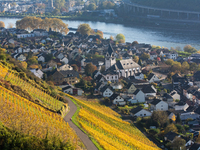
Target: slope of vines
[[29, 118], [108, 129], [37, 94]]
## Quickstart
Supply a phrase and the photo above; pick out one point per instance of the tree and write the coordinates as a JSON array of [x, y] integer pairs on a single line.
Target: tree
[[136, 59], [173, 117], [90, 68], [178, 143], [32, 60], [134, 43], [189, 49], [169, 62], [10, 25], [178, 119], [75, 67], [92, 6], [24, 64], [176, 66], [100, 33], [145, 56], [84, 29], [2, 24], [111, 37], [160, 117], [185, 66], [31, 23], [193, 67], [120, 38], [171, 127]]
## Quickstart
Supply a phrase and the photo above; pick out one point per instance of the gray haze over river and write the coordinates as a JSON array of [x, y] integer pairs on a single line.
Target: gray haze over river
[[154, 35]]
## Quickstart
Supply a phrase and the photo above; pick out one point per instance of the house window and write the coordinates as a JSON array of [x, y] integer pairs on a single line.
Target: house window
[[112, 77], [161, 105], [115, 77], [144, 114], [140, 114], [113, 58], [109, 93], [161, 108], [127, 63]]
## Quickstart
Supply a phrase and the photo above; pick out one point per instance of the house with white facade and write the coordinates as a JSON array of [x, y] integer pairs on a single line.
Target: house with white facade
[[139, 76], [140, 112], [111, 76], [116, 85], [153, 55], [174, 94], [153, 78], [157, 104], [65, 67], [64, 60], [117, 99], [149, 90], [101, 78], [106, 91], [37, 72], [138, 97], [71, 90], [181, 106], [172, 55]]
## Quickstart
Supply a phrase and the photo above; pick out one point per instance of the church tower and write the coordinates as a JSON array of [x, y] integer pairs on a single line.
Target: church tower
[[109, 58]]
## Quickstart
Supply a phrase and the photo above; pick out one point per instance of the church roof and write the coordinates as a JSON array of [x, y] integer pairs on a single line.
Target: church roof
[[110, 49], [125, 64]]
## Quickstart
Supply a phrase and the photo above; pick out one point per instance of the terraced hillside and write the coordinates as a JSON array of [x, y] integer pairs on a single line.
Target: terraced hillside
[[108, 129]]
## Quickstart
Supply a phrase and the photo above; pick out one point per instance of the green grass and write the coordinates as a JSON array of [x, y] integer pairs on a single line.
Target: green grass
[[75, 121]]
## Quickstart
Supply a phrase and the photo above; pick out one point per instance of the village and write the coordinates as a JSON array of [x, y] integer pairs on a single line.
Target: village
[[135, 79]]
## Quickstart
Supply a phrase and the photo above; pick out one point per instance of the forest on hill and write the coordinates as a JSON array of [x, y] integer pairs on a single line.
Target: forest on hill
[[171, 4]]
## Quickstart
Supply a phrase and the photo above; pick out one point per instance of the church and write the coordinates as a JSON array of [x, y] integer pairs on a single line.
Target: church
[[123, 68]]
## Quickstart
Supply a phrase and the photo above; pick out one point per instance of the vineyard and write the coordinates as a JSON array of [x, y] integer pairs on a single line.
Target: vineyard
[[111, 132], [22, 115], [35, 92]]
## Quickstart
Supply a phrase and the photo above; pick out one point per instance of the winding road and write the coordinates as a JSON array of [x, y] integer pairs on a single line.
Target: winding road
[[84, 138]]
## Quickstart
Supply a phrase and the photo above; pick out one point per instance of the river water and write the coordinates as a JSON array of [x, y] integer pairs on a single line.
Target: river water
[[149, 35]]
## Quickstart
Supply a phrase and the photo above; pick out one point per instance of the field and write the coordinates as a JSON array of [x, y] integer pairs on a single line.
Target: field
[[108, 129], [32, 88], [29, 118]]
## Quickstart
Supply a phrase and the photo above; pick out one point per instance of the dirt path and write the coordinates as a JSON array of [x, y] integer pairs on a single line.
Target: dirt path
[[84, 138]]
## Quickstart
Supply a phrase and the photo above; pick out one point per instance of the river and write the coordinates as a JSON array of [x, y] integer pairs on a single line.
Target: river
[[149, 35]]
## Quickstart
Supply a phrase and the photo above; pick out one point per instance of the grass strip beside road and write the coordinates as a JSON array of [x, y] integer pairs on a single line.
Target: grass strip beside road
[[75, 121]]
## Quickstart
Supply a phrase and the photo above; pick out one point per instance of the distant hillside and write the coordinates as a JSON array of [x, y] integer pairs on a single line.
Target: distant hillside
[[31, 111], [190, 5]]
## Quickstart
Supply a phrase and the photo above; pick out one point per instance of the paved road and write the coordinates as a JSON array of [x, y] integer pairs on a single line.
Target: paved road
[[84, 138]]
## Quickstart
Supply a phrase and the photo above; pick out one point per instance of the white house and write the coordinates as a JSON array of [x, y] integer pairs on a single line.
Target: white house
[[37, 72], [71, 90], [106, 91], [116, 85], [153, 78], [117, 99], [149, 90], [157, 104], [138, 97], [174, 94], [139, 112], [153, 55], [64, 60], [181, 106], [65, 67], [139, 76]]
